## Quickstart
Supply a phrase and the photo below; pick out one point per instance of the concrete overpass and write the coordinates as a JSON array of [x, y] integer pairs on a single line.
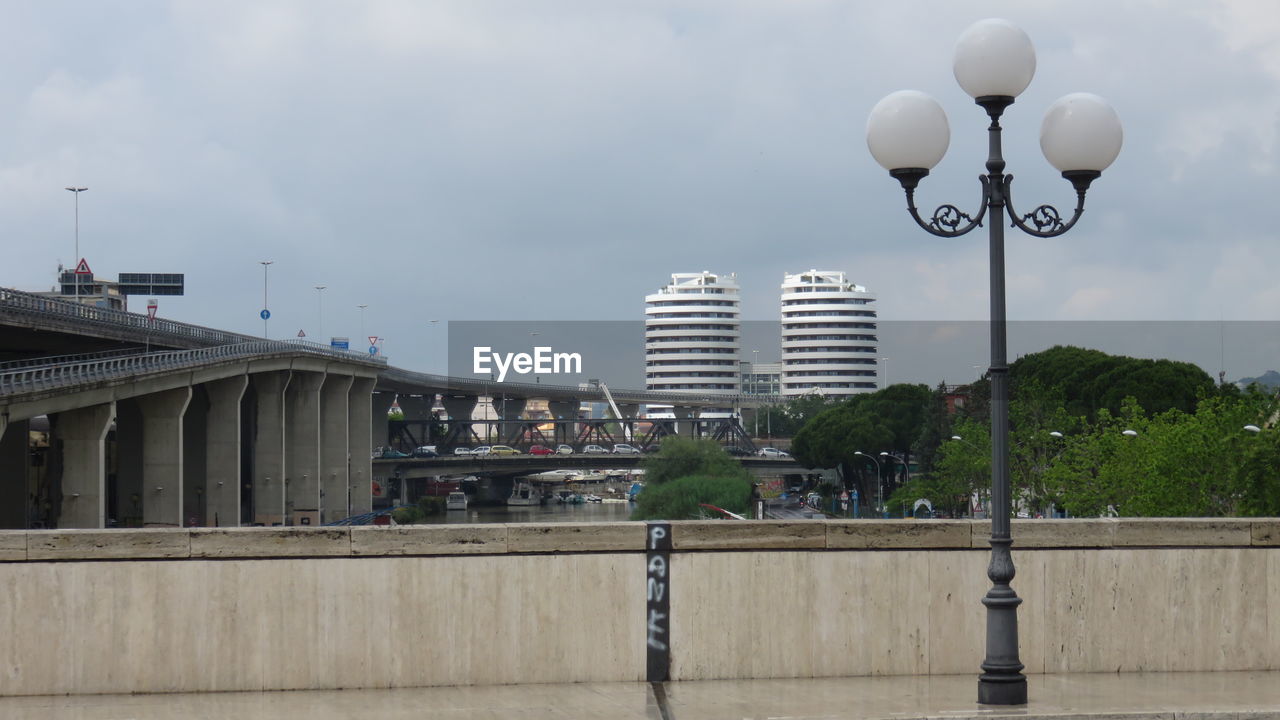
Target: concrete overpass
[[212, 427], [512, 464]]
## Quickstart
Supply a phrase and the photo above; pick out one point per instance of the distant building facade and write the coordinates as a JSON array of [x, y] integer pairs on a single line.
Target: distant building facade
[[692, 335], [829, 335]]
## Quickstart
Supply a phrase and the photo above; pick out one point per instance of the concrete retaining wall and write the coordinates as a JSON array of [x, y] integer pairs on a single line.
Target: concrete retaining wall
[[282, 608]]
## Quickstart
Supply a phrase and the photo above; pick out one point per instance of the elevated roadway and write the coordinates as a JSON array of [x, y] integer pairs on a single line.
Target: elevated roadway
[[515, 464]]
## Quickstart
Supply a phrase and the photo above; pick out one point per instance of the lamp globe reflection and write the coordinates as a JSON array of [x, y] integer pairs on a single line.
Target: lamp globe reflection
[[1081, 136]]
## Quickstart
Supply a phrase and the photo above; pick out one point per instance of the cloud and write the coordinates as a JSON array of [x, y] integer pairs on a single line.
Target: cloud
[[558, 160]]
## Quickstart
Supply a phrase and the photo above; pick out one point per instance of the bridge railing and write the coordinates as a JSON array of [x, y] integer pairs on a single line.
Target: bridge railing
[[72, 374], [62, 359], [23, 303], [591, 393]]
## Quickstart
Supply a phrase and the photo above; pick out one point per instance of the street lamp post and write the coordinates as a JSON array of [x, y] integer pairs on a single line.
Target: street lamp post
[[266, 313], [320, 313], [75, 262], [363, 337], [755, 389], [905, 468], [879, 484], [907, 133]]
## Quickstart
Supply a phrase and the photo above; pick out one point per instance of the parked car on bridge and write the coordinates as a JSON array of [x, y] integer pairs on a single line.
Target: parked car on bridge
[[425, 451], [625, 449], [503, 450], [594, 450], [541, 450], [462, 451], [482, 450], [773, 453], [564, 449]]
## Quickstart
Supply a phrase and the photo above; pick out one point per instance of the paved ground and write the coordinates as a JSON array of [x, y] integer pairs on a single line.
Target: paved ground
[[1138, 696]]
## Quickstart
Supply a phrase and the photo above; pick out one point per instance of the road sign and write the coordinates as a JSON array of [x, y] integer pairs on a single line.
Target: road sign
[[83, 268], [373, 339], [339, 343], [373, 349], [301, 334], [152, 306], [265, 314]]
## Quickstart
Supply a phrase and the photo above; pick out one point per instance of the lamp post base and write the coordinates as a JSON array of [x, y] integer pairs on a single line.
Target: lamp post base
[[1002, 689]]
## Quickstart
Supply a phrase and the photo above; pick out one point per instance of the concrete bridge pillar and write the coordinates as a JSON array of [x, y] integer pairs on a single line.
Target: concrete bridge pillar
[[195, 452], [84, 465], [629, 412], [416, 407], [361, 402], [128, 498], [162, 456], [14, 458], [565, 410], [460, 408], [222, 459], [686, 425], [381, 406], [302, 449], [268, 447], [334, 452], [510, 410]]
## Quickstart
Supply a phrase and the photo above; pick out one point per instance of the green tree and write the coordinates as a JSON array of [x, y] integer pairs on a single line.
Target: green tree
[[681, 457], [889, 420], [935, 429], [687, 473], [1091, 380], [682, 498], [1259, 478]]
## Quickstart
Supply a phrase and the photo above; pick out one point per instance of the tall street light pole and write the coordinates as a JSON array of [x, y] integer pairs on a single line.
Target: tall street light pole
[[907, 133], [266, 313], [363, 337], [755, 389], [320, 313], [879, 484], [75, 262]]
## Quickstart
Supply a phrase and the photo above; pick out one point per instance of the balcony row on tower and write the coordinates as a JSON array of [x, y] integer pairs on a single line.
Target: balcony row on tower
[[828, 343]]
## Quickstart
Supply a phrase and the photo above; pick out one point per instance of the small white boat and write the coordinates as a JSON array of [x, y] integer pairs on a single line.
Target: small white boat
[[456, 500], [524, 493]]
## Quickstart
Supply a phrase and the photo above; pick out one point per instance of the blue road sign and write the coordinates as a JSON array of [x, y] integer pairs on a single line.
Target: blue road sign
[[265, 314], [373, 350]]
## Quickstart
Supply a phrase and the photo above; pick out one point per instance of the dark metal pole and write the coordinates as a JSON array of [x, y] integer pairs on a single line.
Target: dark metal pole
[[1002, 681]]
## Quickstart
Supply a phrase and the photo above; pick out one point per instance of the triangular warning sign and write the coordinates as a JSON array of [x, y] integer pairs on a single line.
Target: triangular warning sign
[[373, 339], [301, 334], [83, 268]]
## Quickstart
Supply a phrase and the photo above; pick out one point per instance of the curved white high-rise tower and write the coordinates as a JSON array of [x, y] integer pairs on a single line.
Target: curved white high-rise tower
[[828, 335], [692, 335]]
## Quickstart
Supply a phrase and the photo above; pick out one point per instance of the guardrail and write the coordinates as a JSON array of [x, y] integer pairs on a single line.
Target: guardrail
[[50, 377], [63, 359], [591, 393], [22, 303]]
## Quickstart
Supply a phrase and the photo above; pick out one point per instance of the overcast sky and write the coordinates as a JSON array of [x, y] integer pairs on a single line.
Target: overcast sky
[[557, 160]]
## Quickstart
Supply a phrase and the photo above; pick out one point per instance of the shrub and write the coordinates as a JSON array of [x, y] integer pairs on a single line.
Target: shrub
[[682, 457], [678, 499]]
